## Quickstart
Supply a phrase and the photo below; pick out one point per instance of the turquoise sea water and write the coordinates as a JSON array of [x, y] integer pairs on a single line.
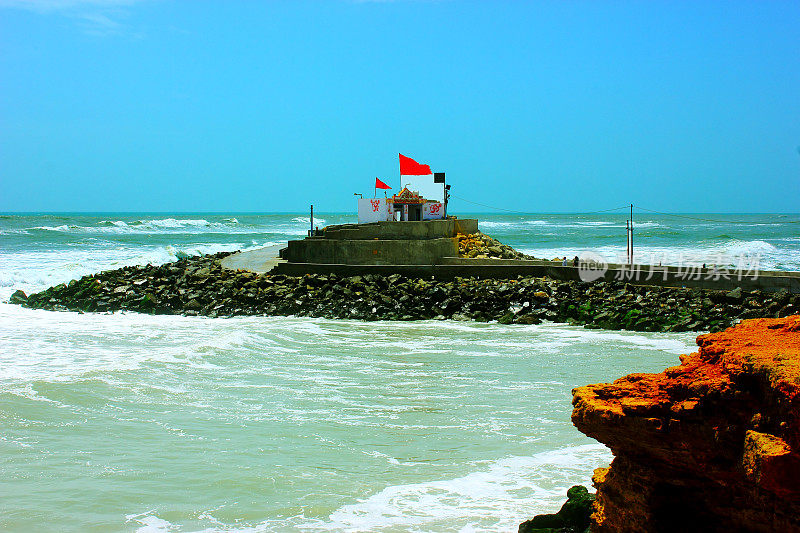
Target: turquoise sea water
[[125, 422]]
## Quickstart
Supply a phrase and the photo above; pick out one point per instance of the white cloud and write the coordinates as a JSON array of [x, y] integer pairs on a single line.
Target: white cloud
[[44, 6], [99, 25], [99, 18]]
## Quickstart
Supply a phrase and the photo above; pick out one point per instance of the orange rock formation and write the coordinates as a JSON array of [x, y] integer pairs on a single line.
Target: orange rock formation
[[710, 445]]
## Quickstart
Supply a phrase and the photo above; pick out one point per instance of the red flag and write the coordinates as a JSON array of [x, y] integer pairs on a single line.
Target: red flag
[[380, 185], [409, 167]]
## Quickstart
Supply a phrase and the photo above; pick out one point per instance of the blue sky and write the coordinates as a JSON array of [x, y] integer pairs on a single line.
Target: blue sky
[[159, 105]]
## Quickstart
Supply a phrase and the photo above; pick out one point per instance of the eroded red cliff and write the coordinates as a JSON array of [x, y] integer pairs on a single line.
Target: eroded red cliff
[[710, 445]]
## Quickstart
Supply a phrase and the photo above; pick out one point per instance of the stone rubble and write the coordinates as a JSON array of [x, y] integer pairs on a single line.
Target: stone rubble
[[480, 246]]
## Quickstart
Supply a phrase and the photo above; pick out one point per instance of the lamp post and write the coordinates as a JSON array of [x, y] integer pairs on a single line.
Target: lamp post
[[438, 177]]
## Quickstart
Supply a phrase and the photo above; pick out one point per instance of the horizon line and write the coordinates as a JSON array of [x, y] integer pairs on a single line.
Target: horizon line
[[354, 213]]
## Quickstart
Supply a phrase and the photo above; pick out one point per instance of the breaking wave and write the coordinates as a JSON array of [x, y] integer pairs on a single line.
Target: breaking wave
[[160, 225], [521, 225], [306, 220], [756, 254], [737, 247]]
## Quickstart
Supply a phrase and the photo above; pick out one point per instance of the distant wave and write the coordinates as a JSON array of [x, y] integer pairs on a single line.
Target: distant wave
[[491, 224], [171, 223], [728, 254], [193, 226], [55, 228], [112, 223], [738, 247], [578, 224], [647, 225], [35, 271], [307, 220], [159, 225]]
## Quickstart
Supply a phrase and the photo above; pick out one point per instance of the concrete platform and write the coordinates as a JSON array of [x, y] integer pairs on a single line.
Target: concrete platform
[[266, 259], [259, 260]]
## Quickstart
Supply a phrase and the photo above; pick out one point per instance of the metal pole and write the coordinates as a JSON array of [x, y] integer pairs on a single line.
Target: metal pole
[[311, 231], [631, 234], [628, 239]]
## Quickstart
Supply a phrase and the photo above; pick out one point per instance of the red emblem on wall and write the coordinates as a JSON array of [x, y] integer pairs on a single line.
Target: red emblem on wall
[[376, 204]]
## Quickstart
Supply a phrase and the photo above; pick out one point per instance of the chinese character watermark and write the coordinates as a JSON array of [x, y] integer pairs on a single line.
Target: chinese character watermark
[[659, 267]]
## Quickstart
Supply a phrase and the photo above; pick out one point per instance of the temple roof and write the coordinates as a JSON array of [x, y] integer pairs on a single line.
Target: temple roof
[[406, 196]]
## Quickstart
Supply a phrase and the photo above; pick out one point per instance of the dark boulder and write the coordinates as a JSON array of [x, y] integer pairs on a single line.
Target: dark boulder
[[734, 296], [573, 517], [19, 297]]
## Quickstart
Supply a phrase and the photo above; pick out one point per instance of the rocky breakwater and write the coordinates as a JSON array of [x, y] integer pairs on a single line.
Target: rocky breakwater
[[710, 445], [480, 246], [201, 286]]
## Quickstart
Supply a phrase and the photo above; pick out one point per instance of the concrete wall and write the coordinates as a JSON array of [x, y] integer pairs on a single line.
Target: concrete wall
[[374, 210], [432, 211], [370, 251], [424, 229]]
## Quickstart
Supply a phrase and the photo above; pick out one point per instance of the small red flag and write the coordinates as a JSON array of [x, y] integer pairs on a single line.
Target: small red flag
[[380, 185], [409, 167]]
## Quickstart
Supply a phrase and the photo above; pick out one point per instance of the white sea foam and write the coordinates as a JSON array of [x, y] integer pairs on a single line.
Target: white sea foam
[[354, 384], [496, 496], [83, 343], [150, 523], [504, 494], [656, 341]]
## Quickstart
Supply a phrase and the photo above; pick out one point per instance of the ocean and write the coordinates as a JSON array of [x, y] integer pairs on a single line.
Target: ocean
[[129, 422]]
